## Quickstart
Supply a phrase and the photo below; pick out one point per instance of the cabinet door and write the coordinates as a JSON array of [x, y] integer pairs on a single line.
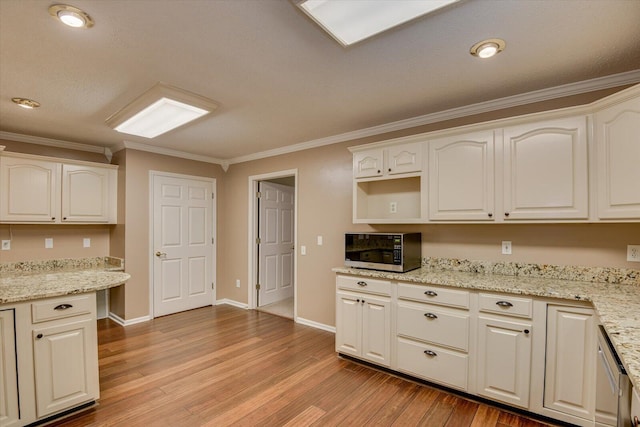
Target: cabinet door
[[618, 148], [504, 360], [404, 158], [545, 170], [570, 361], [376, 330], [461, 177], [348, 324], [66, 366], [9, 411], [30, 190], [86, 193], [368, 163]]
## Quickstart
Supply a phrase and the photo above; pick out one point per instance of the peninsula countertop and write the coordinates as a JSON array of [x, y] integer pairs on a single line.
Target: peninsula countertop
[[26, 286], [617, 304]]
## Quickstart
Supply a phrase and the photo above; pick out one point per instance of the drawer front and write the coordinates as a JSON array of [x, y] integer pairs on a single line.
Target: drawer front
[[59, 308], [364, 284], [440, 365], [506, 304], [433, 324], [434, 295]]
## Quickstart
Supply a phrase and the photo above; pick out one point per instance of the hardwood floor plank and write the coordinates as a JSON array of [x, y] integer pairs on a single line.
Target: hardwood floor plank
[[222, 366]]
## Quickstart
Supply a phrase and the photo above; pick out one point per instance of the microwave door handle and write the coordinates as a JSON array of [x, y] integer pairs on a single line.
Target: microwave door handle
[[607, 370]]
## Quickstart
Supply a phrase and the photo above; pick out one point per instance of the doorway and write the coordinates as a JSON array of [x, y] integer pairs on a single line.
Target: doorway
[[182, 233], [273, 225]]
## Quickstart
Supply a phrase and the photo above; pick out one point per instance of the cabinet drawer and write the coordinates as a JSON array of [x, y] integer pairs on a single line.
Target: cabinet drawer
[[59, 308], [434, 295], [364, 284], [506, 304], [438, 365], [435, 325]]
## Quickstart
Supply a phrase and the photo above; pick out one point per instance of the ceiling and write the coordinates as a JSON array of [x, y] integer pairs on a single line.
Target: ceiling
[[279, 79]]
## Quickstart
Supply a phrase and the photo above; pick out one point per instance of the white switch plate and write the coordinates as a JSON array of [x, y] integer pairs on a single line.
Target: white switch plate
[[6, 245], [237, 283], [319, 240], [506, 247], [86, 242], [393, 207], [633, 253], [303, 250], [48, 243]]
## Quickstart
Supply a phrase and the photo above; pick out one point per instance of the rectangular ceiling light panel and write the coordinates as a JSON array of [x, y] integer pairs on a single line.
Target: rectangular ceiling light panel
[[351, 21], [159, 110]]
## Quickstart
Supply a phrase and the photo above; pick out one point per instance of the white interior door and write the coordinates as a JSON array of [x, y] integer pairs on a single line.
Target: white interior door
[[183, 244], [276, 243]]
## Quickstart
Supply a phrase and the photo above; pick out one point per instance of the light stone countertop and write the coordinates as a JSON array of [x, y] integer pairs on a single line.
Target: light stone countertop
[[617, 304], [26, 286]]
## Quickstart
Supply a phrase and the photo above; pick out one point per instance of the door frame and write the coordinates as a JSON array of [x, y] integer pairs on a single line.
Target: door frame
[[253, 235], [214, 212]]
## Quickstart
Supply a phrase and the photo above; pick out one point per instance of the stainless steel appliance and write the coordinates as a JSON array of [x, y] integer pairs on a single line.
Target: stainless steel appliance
[[398, 252], [613, 388]]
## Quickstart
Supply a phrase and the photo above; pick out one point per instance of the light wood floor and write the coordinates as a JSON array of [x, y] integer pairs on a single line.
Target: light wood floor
[[219, 366]]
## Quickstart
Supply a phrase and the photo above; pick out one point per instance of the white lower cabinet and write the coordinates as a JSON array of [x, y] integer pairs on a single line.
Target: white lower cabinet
[[363, 326], [9, 410], [571, 352], [504, 360], [635, 407]]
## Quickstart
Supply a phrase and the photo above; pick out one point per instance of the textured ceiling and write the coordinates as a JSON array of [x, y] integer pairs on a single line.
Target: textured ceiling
[[279, 79]]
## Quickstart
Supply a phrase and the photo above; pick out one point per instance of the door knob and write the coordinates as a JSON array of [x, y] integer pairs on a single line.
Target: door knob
[[159, 254]]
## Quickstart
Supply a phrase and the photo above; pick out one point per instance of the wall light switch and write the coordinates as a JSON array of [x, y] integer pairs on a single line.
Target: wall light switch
[[506, 247], [237, 283], [86, 242], [48, 243], [303, 250], [6, 245], [319, 240]]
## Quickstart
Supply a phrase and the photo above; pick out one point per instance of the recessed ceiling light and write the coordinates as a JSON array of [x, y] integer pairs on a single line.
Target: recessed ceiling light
[[351, 21], [487, 48], [71, 16], [159, 110], [29, 104]]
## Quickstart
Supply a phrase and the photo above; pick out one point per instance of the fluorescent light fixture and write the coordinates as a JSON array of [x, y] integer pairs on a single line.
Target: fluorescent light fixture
[[351, 21], [159, 110]]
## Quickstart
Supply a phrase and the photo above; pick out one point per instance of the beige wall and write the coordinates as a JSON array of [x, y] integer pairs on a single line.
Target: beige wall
[[133, 301]]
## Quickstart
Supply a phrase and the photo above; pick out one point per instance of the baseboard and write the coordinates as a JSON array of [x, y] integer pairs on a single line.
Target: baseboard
[[120, 321], [316, 325], [232, 302]]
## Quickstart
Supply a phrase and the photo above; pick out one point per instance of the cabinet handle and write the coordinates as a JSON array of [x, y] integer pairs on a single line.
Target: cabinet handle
[[363, 284], [389, 169], [53, 218], [64, 218], [490, 214], [504, 304], [39, 336], [636, 422], [430, 353], [358, 300], [378, 170], [431, 294], [506, 214], [430, 316], [526, 332], [362, 301], [63, 307]]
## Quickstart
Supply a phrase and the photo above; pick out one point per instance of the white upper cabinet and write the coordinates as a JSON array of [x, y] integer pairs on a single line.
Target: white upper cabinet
[[545, 170], [41, 190], [30, 190], [368, 163], [618, 160], [404, 158], [461, 177]]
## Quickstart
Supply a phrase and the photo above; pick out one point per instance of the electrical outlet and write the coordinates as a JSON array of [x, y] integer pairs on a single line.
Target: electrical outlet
[[237, 283], [633, 253], [48, 243], [319, 239], [506, 247], [303, 250], [393, 207], [86, 242], [6, 245]]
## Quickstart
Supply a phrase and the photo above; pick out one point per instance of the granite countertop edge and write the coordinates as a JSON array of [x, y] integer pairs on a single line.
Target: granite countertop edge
[[617, 305]]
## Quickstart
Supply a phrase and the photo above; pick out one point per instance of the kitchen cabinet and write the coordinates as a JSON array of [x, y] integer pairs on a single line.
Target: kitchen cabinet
[[363, 320], [504, 360], [39, 189], [9, 410], [396, 159], [570, 372], [635, 407], [461, 177], [618, 160], [545, 174]]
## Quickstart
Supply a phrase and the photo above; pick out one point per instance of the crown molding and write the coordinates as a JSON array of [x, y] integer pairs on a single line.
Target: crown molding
[[615, 80], [170, 152], [29, 139]]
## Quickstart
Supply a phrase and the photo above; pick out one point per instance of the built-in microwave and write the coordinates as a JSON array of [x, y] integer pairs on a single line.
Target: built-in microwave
[[397, 252]]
